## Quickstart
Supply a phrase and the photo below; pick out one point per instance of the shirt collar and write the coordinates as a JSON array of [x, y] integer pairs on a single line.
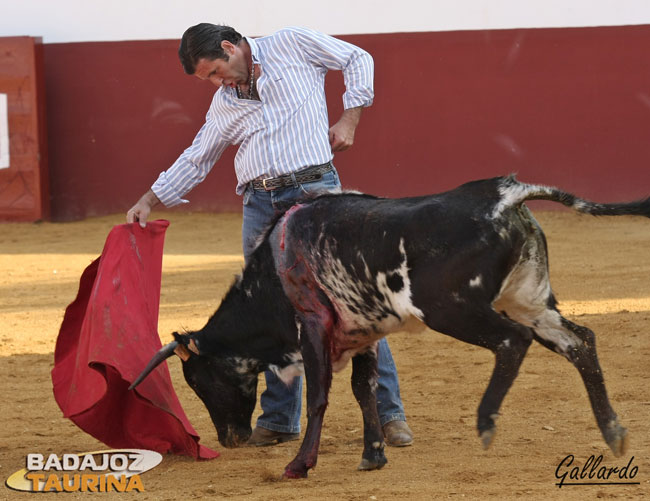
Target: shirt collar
[[255, 51]]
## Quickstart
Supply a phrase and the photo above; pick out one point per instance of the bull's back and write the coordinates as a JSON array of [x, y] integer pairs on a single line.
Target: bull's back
[[359, 249]]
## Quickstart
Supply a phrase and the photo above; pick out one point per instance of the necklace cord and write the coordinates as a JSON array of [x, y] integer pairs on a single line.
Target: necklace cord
[[251, 84]]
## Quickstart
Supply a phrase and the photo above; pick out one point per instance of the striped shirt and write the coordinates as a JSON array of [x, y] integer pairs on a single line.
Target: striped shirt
[[288, 129]]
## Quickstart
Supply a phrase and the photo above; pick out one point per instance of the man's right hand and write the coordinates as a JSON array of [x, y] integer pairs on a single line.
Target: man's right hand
[[140, 211]]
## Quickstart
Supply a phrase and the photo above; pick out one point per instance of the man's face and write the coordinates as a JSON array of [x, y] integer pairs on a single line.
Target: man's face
[[220, 72]]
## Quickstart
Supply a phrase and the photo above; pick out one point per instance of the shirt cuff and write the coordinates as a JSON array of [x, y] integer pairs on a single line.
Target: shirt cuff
[[356, 102], [166, 193]]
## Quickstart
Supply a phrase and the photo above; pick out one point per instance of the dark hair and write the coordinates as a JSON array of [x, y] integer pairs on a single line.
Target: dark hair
[[203, 41]]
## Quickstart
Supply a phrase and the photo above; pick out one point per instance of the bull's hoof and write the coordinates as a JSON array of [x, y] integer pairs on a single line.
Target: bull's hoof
[[373, 461], [487, 436], [616, 437], [290, 473], [367, 465], [373, 457], [487, 429]]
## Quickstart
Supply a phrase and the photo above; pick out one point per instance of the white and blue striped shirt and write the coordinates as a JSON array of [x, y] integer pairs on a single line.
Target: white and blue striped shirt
[[288, 129]]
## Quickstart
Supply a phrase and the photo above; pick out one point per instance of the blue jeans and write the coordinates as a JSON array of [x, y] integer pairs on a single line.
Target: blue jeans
[[281, 404]]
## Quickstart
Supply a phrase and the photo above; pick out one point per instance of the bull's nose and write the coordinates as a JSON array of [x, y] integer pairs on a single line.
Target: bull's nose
[[233, 440], [228, 443]]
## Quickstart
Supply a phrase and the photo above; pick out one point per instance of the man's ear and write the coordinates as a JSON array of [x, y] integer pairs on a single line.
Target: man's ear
[[228, 47]]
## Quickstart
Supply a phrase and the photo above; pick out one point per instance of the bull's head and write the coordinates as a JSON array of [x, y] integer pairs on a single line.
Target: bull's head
[[229, 394]]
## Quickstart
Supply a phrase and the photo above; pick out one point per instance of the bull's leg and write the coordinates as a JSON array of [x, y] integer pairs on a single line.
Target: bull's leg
[[509, 353], [578, 345], [508, 340], [318, 373], [364, 386]]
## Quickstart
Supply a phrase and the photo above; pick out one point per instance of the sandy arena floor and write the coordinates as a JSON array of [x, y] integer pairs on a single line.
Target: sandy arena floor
[[601, 275]]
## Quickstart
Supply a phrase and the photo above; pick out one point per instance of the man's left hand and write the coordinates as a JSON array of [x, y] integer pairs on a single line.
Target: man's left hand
[[342, 132]]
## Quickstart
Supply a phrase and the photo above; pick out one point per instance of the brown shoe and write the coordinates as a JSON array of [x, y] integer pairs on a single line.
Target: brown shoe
[[263, 437], [398, 434]]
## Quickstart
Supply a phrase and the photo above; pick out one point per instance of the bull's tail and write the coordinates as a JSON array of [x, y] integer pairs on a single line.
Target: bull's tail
[[514, 193]]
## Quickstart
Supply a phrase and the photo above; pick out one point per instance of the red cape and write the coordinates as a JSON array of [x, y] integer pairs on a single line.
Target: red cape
[[108, 335]]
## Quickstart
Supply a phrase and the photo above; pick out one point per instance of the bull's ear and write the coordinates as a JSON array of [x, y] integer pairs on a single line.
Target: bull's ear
[[186, 346], [182, 352]]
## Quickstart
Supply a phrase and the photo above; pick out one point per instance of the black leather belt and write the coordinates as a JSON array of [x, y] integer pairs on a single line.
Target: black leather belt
[[307, 175]]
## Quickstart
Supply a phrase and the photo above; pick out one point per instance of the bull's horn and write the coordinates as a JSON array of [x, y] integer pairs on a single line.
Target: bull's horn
[[164, 353]]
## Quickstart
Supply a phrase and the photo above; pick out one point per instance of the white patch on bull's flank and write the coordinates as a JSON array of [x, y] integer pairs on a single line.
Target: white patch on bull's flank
[[526, 288], [342, 362], [344, 358], [477, 281], [524, 298], [288, 373], [400, 300], [344, 291]]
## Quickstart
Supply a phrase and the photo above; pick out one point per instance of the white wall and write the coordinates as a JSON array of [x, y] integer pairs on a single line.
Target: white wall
[[94, 20]]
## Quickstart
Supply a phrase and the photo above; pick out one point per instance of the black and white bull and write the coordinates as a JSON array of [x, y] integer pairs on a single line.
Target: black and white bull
[[336, 273]]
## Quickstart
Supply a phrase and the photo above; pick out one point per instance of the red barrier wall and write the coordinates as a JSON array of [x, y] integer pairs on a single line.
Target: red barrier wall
[[24, 194], [567, 107]]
